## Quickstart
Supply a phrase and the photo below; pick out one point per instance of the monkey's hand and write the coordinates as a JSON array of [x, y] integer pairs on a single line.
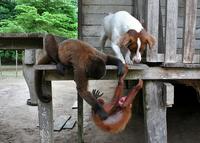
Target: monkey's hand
[[101, 112], [120, 68], [60, 69], [96, 93]]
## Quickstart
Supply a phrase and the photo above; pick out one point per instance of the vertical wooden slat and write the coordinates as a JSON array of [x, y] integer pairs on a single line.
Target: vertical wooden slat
[[80, 119], [80, 19], [139, 9], [45, 113], [189, 30], [154, 113], [152, 20], [171, 30]]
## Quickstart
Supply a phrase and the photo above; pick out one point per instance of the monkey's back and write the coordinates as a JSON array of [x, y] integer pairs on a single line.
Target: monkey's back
[[73, 51]]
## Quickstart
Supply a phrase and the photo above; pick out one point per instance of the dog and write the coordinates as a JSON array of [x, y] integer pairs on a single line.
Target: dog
[[127, 33]]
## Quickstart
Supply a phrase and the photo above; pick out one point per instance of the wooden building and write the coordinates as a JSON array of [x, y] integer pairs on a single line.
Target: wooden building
[[176, 55]]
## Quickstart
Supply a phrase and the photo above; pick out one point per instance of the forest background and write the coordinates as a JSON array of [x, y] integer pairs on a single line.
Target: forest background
[[58, 17]]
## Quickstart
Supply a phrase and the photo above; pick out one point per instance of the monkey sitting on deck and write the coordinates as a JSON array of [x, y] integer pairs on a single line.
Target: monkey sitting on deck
[[86, 61], [119, 109]]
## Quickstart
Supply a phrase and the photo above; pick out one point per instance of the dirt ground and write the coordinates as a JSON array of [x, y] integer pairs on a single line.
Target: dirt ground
[[18, 121]]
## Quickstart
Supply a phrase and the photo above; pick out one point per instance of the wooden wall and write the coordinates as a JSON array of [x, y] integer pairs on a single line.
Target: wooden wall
[[93, 12], [181, 22]]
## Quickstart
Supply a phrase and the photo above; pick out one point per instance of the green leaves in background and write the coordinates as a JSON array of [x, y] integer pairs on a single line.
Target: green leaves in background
[[58, 17]]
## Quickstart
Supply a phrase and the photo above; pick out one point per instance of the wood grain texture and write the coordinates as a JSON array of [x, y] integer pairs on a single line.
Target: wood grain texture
[[168, 94], [189, 30], [154, 113], [45, 113], [171, 31], [152, 20], [108, 2]]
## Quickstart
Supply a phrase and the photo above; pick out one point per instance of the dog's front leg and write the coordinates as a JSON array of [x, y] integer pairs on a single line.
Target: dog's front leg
[[128, 58], [117, 52]]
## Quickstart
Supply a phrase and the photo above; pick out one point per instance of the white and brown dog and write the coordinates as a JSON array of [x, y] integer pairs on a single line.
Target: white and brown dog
[[125, 31]]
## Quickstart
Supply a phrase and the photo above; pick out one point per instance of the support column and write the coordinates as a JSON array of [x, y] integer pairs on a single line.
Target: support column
[[28, 72], [45, 114], [154, 113]]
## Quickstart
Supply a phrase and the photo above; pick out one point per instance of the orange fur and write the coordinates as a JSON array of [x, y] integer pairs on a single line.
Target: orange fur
[[118, 126], [119, 109], [129, 40]]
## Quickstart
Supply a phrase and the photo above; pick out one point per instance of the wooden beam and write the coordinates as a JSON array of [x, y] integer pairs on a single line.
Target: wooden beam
[[189, 30], [150, 73], [154, 113], [171, 31], [152, 19]]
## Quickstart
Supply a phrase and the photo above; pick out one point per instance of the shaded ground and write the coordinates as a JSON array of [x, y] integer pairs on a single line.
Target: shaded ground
[[18, 122]]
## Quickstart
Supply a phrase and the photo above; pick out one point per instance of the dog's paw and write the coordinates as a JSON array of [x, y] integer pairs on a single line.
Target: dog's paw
[[128, 61]]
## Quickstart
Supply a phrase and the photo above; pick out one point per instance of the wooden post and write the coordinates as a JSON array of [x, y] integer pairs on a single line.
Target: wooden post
[[154, 113], [152, 19], [45, 114], [28, 72], [80, 119], [189, 30], [171, 30]]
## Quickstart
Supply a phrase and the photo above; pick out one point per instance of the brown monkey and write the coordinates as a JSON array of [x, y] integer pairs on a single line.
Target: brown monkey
[[119, 109], [86, 61]]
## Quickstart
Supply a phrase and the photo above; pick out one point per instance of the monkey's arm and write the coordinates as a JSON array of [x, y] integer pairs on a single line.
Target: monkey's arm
[[82, 85], [133, 93], [111, 60]]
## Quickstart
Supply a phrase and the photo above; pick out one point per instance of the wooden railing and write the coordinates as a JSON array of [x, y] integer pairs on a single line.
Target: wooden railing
[[154, 18]]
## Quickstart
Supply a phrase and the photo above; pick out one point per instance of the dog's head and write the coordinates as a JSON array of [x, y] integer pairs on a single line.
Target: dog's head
[[136, 42]]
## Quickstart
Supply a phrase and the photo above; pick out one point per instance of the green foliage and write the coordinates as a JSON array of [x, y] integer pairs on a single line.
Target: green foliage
[[7, 9], [58, 17]]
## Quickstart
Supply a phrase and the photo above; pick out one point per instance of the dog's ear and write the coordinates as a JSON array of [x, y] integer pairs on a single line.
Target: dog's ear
[[148, 38], [124, 40]]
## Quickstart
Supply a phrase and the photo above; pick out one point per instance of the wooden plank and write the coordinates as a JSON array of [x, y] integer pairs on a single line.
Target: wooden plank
[[152, 73], [140, 9], [181, 3], [106, 9], [152, 20], [45, 114], [95, 41], [189, 30], [93, 19], [60, 121], [108, 2], [131, 67], [181, 65], [168, 94], [80, 19], [154, 113], [92, 31], [70, 123], [21, 43], [171, 31]]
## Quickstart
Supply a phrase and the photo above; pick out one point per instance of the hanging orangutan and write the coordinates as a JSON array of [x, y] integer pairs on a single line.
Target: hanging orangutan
[[118, 109]]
